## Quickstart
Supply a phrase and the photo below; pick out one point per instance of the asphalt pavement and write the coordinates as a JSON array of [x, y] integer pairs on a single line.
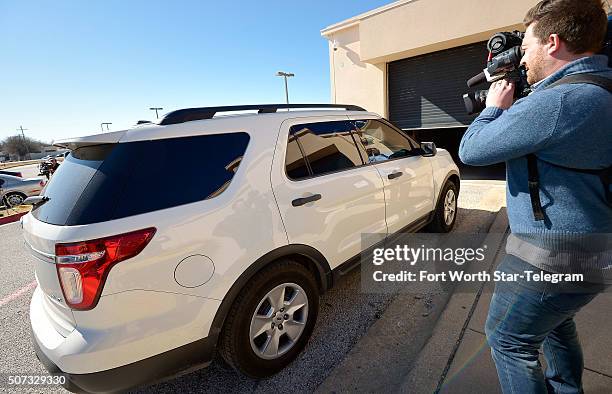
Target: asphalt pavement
[[28, 171], [16, 288], [345, 317]]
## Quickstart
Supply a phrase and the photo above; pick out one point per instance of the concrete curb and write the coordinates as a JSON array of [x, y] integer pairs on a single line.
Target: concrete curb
[[12, 164], [11, 218], [430, 369], [400, 354]]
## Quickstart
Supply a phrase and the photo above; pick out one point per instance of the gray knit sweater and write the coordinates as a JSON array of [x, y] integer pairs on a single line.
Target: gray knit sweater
[[569, 125]]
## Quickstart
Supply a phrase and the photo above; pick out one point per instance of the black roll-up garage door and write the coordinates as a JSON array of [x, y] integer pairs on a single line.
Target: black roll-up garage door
[[426, 91]]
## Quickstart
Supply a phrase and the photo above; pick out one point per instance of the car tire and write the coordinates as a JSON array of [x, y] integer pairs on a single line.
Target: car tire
[[262, 336], [445, 214], [14, 199]]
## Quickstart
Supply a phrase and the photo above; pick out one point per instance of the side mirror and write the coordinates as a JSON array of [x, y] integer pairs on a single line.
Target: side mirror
[[428, 149]]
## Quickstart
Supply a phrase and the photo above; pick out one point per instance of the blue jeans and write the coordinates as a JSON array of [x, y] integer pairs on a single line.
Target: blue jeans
[[525, 316]]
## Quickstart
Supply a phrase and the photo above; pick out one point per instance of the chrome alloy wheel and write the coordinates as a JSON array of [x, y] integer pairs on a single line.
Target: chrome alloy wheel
[[278, 321], [450, 207], [14, 200]]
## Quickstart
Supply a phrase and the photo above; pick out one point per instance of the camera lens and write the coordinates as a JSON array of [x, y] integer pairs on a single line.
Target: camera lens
[[497, 43]]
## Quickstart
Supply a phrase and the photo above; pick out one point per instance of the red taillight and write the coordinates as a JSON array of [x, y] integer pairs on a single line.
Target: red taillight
[[82, 267]]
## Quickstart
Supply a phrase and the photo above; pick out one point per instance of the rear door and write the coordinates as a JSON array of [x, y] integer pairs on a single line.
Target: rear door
[[407, 176], [326, 195]]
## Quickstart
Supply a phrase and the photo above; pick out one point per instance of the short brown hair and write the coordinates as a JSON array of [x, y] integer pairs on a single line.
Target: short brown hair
[[581, 24]]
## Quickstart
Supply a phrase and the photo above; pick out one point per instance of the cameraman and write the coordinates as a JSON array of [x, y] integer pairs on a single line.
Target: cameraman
[[566, 125]]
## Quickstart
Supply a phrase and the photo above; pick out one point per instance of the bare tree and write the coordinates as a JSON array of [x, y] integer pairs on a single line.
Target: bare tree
[[17, 145]]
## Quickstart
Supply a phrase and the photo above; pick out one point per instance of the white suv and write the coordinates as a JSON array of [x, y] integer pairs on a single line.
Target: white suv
[[157, 245]]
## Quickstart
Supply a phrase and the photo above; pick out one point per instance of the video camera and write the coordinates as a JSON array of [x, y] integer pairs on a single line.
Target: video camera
[[504, 62]]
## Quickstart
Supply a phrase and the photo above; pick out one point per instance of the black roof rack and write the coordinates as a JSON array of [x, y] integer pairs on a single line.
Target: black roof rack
[[189, 114]]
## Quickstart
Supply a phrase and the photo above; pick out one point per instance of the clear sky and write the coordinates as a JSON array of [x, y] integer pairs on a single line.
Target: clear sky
[[67, 66]]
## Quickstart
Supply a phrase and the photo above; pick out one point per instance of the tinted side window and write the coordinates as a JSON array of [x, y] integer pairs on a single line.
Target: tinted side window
[[327, 146], [98, 184], [180, 171], [380, 142], [294, 160]]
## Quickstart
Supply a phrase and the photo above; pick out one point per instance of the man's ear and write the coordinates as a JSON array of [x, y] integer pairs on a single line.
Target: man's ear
[[553, 44]]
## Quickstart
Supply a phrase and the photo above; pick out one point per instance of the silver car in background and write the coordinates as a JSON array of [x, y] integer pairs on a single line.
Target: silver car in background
[[14, 190]]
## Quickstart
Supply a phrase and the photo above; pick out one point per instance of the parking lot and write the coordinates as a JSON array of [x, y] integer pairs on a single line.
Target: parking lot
[[345, 316], [29, 171]]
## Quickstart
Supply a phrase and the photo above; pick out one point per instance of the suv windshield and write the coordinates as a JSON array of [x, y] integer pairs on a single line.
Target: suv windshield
[[112, 181]]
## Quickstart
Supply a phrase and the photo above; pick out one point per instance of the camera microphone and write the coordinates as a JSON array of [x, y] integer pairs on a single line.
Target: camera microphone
[[477, 79]]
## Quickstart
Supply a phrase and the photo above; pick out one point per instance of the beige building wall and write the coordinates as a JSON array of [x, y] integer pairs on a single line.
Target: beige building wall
[[361, 47], [352, 80]]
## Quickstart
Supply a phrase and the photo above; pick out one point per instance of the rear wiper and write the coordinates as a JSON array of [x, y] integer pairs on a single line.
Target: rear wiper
[[36, 201]]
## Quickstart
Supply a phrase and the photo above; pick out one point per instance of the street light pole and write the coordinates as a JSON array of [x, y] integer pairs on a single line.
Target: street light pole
[[102, 126], [156, 109], [285, 75], [25, 142]]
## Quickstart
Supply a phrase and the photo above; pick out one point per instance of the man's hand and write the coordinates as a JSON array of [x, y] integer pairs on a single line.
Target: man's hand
[[501, 94]]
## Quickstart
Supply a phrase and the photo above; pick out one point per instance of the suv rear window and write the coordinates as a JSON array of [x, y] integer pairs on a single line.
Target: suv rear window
[[105, 182]]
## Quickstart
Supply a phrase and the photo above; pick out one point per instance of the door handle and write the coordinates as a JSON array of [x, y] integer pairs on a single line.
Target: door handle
[[395, 175], [305, 200]]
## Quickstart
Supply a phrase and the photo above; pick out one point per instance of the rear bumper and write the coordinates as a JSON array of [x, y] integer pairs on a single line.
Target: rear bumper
[[143, 337], [189, 357]]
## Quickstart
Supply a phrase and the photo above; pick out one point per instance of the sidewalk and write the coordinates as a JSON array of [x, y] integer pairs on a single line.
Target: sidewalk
[[447, 351], [472, 370]]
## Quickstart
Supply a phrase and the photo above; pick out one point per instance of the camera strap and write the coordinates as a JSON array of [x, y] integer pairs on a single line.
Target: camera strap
[[592, 79], [605, 174]]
